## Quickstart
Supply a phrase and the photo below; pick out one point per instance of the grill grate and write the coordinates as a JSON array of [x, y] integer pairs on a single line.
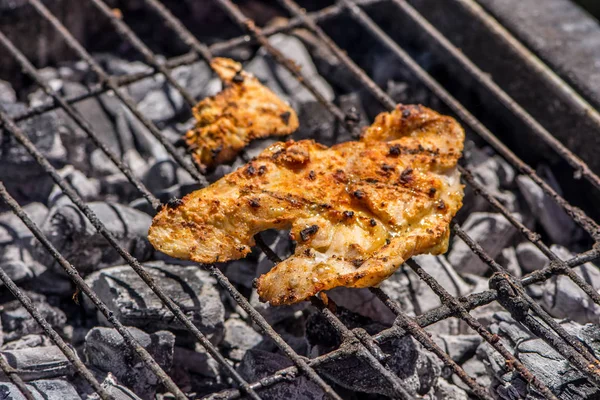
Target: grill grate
[[508, 290]]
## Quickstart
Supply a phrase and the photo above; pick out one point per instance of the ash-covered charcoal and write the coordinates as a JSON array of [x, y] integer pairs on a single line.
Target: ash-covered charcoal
[[317, 123], [239, 338], [417, 368], [43, 389], [87, 188], [38, 363], [134, 303], [16, 241], [106, 350], [16, 321], [492, 172], [459, 347], [564, 299], [530, 257], [258, 364], [116, 390], [19, 172], [508, 259], [28, 341], [365, 303], [562, 378], [7, 93], [558, 225], [444, 390], [71, 232], [293, 49], [491, 231]]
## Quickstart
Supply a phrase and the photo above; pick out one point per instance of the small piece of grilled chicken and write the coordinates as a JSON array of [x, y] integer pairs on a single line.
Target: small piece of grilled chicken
[[357, 210], [244, 110]]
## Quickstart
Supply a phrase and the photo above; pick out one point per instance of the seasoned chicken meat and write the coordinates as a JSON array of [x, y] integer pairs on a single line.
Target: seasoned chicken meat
[[357, 210], [244, 110]]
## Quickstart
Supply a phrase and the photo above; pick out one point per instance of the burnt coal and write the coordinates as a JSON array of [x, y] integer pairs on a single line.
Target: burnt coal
[[239, 338], [134, 303], [16, 258], [259, 364], [70, 231], [540, 358], [41, 389], [491, 231], [530, 257], [28, 341], [106, 350], [38, 363], [16, 321]]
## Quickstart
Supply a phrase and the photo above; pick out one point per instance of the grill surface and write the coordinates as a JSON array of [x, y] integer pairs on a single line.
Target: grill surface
[[506, 289]]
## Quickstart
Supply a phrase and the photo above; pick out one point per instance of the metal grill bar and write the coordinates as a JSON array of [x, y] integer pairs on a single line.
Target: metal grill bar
[[127, 34], [482, 78], [15, 378], [52, 334], [83, 124], [588, 224], [478, 300], [109, 82]]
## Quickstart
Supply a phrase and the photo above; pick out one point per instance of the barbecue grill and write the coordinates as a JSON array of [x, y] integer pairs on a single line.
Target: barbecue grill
[[505, 288]]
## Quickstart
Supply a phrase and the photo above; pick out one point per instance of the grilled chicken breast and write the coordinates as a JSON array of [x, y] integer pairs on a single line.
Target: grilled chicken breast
[[357, 210], [244, 110]]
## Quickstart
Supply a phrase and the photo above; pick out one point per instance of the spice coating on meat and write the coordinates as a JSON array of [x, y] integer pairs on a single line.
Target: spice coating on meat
[[357, 210], [244, 110]]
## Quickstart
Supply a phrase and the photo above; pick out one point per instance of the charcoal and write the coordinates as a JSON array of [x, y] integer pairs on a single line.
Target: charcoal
[[508, 259], [476, 369], [417, 368], [239, 338], [561, 377], [28, 341], [37, 363], [20, 173], [196, 361], [134, 303], [491, 231], [564, 299], [106, 350], [193, 78], [293, 49], [530, 257], [16, 258], [317, 123], [445, 390], [117, 391], [70, 231], [459, 347], [16, 321], [87, 188], [365, 303], [43, 389], [558, 225], [439, 268], [258, 364], [260, 67], [7, 93]]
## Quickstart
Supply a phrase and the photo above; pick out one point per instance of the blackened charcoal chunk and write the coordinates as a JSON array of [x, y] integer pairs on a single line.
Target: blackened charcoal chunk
[[239, 337], [530, 257], [43, 389], [106, 350], [564, 299], [28, 341], [416, 368], [492, 231], [544, 362], [134, 303], [259, 364], [16, 321], [71, 232], [16, 258], [39, 362]]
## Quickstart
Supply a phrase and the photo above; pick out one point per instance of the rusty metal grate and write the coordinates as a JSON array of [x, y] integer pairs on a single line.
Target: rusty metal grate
[[507, 289]]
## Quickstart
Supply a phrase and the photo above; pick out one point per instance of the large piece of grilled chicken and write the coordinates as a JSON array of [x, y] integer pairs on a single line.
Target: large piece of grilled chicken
[[243, 111], [357, 210]]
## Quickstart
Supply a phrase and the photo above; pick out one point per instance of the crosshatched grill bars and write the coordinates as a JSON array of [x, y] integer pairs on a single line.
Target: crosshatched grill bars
[[507, 288]]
